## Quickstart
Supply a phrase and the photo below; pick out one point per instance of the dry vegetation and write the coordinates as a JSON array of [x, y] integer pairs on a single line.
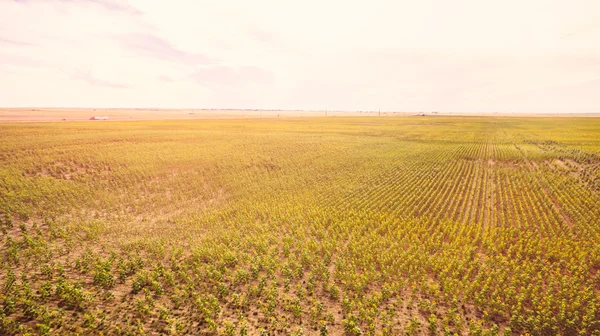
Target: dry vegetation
[[383, 226]]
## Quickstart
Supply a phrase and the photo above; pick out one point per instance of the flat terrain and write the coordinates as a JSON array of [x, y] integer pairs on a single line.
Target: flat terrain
[[116, 114], [301, 226]]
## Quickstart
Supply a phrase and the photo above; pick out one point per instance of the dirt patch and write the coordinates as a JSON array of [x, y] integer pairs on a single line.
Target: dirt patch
[[550, 165], [65, 170], [573, 164], [560, 164]]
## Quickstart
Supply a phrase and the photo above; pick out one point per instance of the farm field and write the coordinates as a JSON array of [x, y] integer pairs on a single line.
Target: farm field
[[301, 226]]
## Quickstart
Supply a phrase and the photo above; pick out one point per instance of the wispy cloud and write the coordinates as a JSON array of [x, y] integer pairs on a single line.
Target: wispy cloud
[[582, 30], [579, 61], [164, 78], [388, 54], [157, 47], [229, 76], [90, 79], [22, 61], [560, 90], [14, 42], [110, 5], [268, 38]]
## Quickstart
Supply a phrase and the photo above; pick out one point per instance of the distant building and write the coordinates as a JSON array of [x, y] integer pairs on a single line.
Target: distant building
[[98, 118]]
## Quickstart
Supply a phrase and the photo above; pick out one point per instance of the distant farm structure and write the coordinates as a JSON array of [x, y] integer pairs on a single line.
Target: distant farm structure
[[98, 118]]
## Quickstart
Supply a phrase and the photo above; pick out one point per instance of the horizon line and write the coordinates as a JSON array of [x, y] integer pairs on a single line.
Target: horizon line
[[34, 108]]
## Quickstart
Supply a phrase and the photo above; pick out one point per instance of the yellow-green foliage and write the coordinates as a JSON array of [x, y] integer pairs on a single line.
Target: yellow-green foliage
[[388, 226]]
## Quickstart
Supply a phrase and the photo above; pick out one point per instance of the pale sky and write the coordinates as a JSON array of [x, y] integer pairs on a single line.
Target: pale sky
[[417, 55]]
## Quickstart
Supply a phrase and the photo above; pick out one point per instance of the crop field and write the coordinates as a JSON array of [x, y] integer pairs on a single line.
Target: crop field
[[301, 226]]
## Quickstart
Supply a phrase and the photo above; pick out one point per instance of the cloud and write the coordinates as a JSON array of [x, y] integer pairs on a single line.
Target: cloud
[[397, 55], [120, 6], [560, 97], [270, 39], [90, 79], [16, 43], [109, 5], [164, 78], [222, 75], [21, 61], [582, 31], [578, 61], [159, 48]]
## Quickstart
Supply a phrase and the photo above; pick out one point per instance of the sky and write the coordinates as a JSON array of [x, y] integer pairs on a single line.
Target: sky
[[428, 55]]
